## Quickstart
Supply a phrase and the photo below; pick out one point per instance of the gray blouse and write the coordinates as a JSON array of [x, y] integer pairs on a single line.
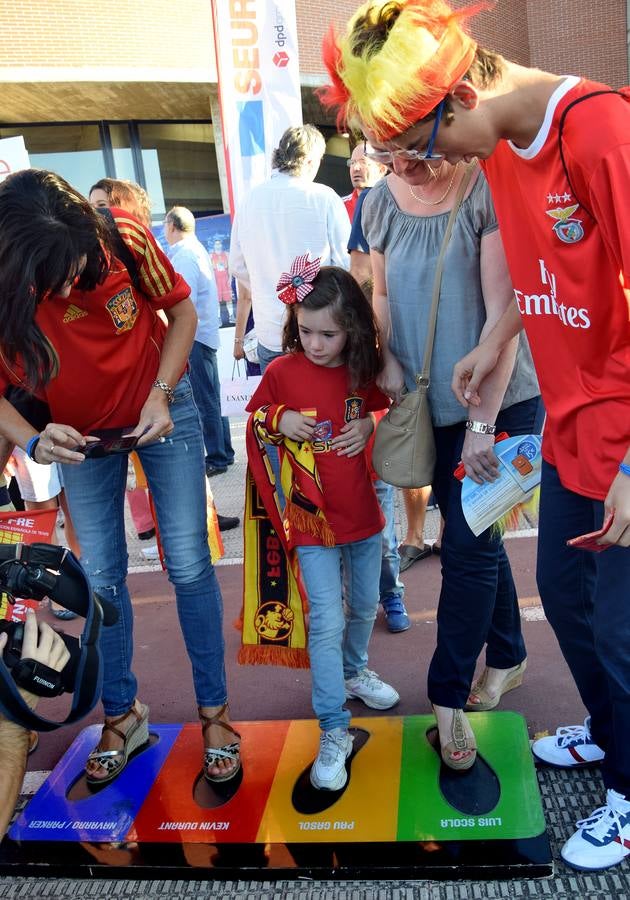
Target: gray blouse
[[411, 245]]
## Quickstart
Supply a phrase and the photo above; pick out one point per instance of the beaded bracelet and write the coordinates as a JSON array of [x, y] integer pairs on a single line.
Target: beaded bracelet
[[625, 468], [238, 340]]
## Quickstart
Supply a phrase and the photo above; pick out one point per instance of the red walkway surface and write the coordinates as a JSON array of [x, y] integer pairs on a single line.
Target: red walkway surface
[[547, 698]]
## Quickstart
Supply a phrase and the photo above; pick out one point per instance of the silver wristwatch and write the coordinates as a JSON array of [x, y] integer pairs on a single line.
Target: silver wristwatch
[[480, 427]]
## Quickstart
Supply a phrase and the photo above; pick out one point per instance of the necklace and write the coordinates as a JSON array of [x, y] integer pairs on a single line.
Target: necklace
[[440, 199]]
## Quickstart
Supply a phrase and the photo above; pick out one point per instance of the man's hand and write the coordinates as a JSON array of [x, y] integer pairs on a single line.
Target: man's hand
[[43, 645], [353, 437], [470, 371], [618, 501], [296, 426]]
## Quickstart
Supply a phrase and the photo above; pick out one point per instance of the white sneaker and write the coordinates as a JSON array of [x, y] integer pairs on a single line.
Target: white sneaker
[[328, 772], [367, 686], [603, 839], [571, 746]]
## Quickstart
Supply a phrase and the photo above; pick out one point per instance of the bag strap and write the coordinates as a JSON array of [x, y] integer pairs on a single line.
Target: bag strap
[[560, 130], [423, 377]]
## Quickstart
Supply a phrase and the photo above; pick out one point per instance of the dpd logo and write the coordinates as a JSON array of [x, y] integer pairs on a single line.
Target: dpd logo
[[281, 59]]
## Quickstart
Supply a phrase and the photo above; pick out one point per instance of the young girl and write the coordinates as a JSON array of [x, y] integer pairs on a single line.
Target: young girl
[[319, 396]]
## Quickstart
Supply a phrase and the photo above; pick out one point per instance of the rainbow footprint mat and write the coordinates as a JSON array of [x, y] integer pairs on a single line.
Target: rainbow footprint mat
[[402, 810]]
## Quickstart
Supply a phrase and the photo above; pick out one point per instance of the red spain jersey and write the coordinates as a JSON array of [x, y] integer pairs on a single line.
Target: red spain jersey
[[108, 340], [350, 504], [571, 276]]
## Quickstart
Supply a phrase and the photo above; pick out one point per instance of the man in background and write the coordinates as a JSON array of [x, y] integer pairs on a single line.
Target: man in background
[[278, 220], [190, 259]]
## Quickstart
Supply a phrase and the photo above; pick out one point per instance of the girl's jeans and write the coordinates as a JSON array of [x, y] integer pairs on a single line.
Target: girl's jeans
[[175, 473], [338, 646]]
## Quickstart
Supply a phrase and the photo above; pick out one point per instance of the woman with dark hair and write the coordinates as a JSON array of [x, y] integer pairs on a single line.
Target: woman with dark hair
[[77, 333]]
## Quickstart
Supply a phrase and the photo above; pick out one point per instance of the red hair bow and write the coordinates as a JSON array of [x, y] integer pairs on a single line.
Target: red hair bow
[[293, 286]]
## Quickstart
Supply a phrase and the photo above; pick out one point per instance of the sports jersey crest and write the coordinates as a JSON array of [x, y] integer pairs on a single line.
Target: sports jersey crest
[[353, 409], [567, 227], [123, 309]]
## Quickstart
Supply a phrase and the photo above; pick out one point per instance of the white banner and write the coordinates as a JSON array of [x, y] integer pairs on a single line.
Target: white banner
[[259, 85], [13, 156]]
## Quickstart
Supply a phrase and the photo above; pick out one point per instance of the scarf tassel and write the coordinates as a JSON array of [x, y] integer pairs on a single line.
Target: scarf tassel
[[309, 523]]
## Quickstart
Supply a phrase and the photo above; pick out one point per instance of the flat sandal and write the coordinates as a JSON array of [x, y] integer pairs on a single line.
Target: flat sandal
[[212, 755]]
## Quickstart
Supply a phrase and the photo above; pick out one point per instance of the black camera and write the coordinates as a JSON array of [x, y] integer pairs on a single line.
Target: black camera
[[36, 571], [33, 676]]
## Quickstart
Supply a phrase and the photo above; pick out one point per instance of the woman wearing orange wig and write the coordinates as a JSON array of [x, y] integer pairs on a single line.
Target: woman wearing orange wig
[[556, 155]]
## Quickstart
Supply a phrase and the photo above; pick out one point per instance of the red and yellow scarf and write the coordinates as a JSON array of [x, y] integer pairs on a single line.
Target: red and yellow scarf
[[274, 599]]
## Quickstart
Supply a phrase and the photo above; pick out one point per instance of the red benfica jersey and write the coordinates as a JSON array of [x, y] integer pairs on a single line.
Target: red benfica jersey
[[108, 340], [571, 275], [350, 503]]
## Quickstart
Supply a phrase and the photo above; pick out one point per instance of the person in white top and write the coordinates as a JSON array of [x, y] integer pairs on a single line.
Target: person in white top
[[190, 259], [278, 220]]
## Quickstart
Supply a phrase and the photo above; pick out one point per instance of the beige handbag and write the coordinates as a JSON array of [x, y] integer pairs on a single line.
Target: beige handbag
[[404, 447]]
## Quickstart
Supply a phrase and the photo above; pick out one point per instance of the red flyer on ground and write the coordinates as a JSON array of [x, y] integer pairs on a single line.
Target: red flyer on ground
[[589, 541]]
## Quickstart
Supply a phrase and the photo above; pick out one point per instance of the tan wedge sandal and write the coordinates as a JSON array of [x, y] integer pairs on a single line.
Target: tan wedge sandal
[[114, 761], [212, 755], [481, 700], [460, 752]]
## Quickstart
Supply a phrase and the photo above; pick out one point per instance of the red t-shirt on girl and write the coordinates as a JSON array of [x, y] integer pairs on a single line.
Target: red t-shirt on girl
[[350, 504]]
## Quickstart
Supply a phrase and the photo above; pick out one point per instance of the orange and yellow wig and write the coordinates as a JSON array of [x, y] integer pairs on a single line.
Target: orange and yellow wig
[[388, 86]]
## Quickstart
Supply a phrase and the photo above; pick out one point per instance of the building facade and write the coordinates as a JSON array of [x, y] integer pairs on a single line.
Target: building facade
[[128, 89]]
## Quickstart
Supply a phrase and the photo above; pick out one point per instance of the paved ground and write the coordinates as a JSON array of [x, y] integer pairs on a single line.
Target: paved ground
[[547, 699]]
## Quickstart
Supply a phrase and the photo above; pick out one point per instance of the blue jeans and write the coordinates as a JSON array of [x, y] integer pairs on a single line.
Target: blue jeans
[[175, 472], [204, 378], [478, 601], [586, 598], [390, 586], [338, 648]]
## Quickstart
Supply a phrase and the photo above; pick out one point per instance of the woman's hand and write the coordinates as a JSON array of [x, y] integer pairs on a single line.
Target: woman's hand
[[155, 418], [296, 426], [618, 502], [391, 379], [238, 352], [478, 456], [353, 437], [58, 444]]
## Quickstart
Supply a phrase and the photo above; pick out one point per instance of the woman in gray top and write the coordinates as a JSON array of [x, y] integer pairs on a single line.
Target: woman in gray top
[[404, 220]]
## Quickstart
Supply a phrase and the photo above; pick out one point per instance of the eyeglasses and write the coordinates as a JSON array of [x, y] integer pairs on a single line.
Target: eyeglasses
[[386, 157], [357, 162]]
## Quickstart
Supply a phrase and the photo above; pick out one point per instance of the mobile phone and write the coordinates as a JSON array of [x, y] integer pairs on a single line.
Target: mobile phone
[[113, 440], [589, 541]]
